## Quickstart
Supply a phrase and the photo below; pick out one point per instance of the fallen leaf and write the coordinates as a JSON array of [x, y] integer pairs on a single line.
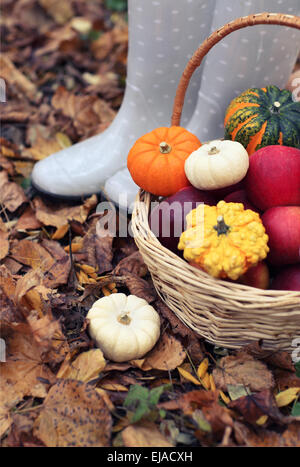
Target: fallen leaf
[[56, 216], [253, 406], [59, 273], [61, 12], [139, 287], [275, 358], [186, 375], [21, 374], [60, 232], [47, 333], [12, 195], [28, 220], [86, 112], [32, 254], [73, 414], [15, 77], [286, 379], [97, 246], [8, 149], [286, 397], [133, 264], [13, 266], [144, 434], [261, 437], [4, 244], [62, 39], [242, 369], [86, 367], [25, 283], [113, 386]]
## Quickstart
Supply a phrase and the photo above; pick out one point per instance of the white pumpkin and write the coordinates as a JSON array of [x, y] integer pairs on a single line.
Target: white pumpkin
[[217, 164], [123, 327]]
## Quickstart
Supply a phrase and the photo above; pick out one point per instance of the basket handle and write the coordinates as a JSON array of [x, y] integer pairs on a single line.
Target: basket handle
[[213, 39]]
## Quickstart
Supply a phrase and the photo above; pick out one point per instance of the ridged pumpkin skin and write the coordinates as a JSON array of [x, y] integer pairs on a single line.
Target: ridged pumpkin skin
[[224, 240], [156, 160], [263, 117]]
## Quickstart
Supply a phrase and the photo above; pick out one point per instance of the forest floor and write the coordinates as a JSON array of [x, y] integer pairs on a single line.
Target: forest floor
[[64, 64]]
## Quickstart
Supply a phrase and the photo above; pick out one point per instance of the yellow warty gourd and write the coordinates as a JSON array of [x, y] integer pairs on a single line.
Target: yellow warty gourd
[[224, 240]]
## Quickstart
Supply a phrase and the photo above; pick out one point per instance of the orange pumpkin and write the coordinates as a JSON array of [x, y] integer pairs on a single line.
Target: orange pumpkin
[[156, 160]]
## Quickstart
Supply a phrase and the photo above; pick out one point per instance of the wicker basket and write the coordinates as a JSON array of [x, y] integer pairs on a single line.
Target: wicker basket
[[224, 313]]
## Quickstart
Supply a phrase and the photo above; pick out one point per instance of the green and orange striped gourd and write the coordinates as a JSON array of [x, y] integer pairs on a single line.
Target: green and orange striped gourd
[[263, 116]]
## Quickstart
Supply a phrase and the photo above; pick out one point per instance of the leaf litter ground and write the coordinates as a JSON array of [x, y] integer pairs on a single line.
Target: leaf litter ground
[[64, 65]]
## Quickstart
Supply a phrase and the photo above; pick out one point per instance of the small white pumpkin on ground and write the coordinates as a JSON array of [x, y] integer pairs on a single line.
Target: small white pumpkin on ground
[[217, 164], [123, 327]]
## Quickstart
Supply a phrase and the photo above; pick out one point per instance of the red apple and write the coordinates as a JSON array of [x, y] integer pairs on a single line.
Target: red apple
[[282, 225], [273, 177], [258, 276], [240, 196], [167, 219], [287, 279]]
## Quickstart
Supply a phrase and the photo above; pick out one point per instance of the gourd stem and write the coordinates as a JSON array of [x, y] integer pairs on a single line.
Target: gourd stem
[[213, 150], [221, 227], [124, 318], [276, 106], [164, 147]]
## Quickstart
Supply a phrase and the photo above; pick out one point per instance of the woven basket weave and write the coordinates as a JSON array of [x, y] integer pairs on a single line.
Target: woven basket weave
[[224, 313]]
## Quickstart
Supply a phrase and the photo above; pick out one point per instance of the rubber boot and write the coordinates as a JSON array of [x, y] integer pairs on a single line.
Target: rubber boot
[[163, 35]]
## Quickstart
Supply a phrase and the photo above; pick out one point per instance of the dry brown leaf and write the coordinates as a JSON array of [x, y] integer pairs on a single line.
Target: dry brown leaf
[[86, 112], [86, 367], [7, 165], [167, 355], [22, 374], [63, 39], [8, 149], [12, 196], [60, 11], [43, 142], [15, 111], [9, 312], [139, 287], [48, 335], [275, 358], [4, 244], [59, 273], [56, 216], [285, 379], [12, 265], [14, 77], [97, 245], [242, 369], [144, 434], [27, 282], [74, 414], [42, 148], [60, 232], [290, 437], [32, 254], [23, 168], [253, 406], [28, 220], [133, 264]]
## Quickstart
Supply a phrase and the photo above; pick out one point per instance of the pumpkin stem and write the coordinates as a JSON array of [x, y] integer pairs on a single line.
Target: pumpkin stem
[[213, 150], [124, 318], [276, 106], [221, 227], [165, 148]]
